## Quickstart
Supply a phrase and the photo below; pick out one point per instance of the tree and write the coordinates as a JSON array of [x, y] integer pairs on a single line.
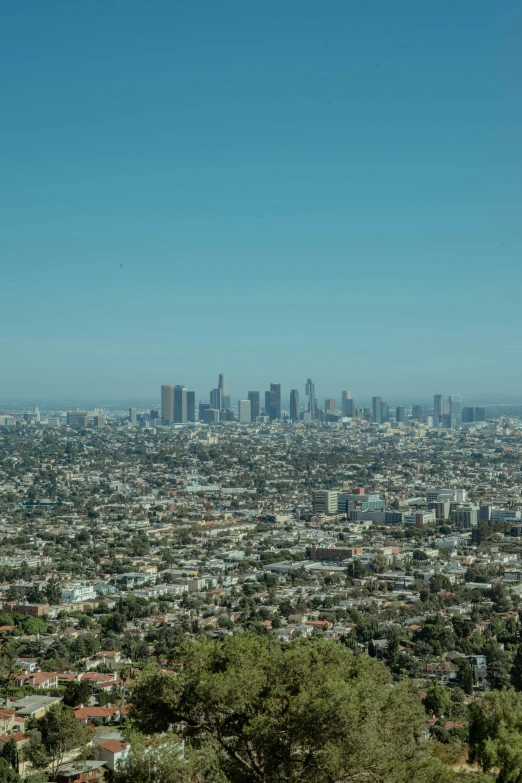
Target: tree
[[305, 711], [165, 764], [77, 693], [516, 670], [7, 773], [10, 754], [465, 675], [53, 591], [379, 563], [495, 734], [439, 582], [60, 735], [438, 700], [498, 674]]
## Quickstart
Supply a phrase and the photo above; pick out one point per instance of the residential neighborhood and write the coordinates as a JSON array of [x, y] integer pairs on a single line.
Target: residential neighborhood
[[119, 544]]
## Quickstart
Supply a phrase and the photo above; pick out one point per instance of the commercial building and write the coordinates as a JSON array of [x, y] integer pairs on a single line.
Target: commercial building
[[253, 397], [132, 417], [78, 419], [334, 553], [377, 410], [420, 519], [346, 397], [32, 610], [325, 501], [180, 405], [222, 386], [330, 406], [400, 414], [273, 402], [244, 410], [167, 405], [216, 399], [191, 406], [455, 404], [311, 404], [419, 412], [348, 405], [211, 416], [465, 517], [295, 405]]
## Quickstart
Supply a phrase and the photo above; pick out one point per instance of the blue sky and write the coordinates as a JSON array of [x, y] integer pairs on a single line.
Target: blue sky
[[276, 190]]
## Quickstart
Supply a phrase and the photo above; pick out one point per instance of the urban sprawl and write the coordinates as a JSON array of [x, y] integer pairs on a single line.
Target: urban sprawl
[[395, 532]]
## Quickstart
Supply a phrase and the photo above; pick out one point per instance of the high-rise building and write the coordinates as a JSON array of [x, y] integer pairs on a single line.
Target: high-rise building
[[400, 414], [330, 405], [215, 399], [132, 416], [377, 410], [468, 415], [244, 410], [385, 415], [167, 405], [191, 406], [325, 501], [349, 409], [310, 401], [203, 406], [211, 416], [154, 414], [274, 401], [419, 412], [480, 413], [267, 404], [346, 397], [180, 405], [222, 386], [295, 405], [437, 405], [253, 396], [455, 404], [78, 419]]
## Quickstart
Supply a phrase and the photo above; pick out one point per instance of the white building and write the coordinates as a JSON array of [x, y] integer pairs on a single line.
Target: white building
[[244, 411], [77, 591]]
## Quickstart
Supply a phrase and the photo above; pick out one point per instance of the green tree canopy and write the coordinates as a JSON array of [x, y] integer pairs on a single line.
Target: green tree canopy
[[305, 711], [7, 773], [495, 734], [77, 693], [57, 735]]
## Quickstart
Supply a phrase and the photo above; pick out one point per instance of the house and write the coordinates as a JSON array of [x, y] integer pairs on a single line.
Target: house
[[20, 739], [112, 751], [444, 671], [42, 680], [8, 721], [97, 714], [34, 706], [27, 664], [110, 658], [78, 772]]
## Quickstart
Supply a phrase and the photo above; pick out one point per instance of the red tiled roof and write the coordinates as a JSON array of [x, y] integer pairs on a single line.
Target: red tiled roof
[[114, 746], [18, 736]]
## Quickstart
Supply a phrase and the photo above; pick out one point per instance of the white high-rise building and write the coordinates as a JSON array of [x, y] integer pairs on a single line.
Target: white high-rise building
[[244, 411]]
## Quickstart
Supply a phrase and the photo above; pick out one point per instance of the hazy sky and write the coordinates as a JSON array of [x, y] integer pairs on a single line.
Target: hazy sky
[[272, 189]]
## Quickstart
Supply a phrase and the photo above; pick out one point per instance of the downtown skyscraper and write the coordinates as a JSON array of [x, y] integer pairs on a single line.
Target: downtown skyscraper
[[295, 405], [310, 401]]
